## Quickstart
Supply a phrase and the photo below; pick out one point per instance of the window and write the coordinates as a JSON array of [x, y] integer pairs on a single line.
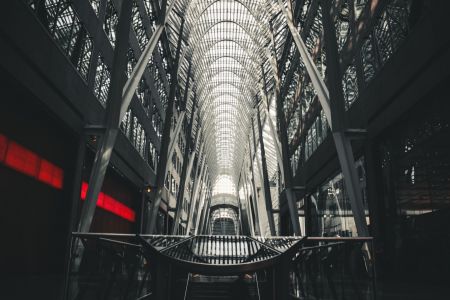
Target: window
[[131, 62], [138, 27], [102, 81], [95, 5], [69, 33], [111, 22], [83, 62], [64, 24]]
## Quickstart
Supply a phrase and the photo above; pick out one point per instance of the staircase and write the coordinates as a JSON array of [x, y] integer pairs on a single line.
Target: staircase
[[221, 288]]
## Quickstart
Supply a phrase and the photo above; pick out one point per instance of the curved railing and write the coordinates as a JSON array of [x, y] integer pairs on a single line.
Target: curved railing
[[220, 255], [127, 266]]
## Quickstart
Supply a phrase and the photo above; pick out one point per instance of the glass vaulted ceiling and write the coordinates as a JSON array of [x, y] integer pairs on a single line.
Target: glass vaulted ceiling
[[227, 42]]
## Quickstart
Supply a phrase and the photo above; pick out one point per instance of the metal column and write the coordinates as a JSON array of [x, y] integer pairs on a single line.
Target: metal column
[[198, 177], [273, 131], [182, 114], [258, 229], [117, 107], [188, 160], [202, 219], [113, 118], [332, 110], [75, 202], [202, 206], [166, 140], [290, 196], [207, 213], [265, 175], [247, 201]]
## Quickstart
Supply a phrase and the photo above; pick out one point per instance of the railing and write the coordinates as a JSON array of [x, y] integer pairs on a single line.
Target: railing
[[107, 266], [122, 266], [334, 268]]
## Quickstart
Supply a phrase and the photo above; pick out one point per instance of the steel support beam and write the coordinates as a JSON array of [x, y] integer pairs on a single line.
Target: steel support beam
[[290, 197], [207, 230], [333, 110], [175, 133], [188, 160], [180, 118], [258, 229], [313, 73], [112, 121], [156, 196], [245, 211], [273, 131], [243, 218], [264, 166], [107, 140], [75, 202], [120, 96], [262, 213], [203, 217], [179, 122], [200, 217], [187, 90], [248, 206], [199, 176], [265, 175], [202, 206], [341, 136], [141, 65]]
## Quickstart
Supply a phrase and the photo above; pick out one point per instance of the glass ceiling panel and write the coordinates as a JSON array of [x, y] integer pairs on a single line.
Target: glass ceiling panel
[[228, 43]]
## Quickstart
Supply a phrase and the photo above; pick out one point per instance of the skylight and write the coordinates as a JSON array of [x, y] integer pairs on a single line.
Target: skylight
[[228, 43]]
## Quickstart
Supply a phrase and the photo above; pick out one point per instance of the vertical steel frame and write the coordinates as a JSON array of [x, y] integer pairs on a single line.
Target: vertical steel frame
[[333, 109], [265, 175], [199, 177], [258, 229], [188, 160], [156, 195], [113, 118], [287, 172], [120, 96]]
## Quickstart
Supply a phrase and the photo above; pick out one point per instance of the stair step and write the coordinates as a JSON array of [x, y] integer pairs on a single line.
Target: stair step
[[220, 290]]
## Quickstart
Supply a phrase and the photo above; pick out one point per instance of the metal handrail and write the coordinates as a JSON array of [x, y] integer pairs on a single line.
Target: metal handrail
[[177, 243], [144, 297], [265, 245], [257, 286], [225, 255], [187, 285]]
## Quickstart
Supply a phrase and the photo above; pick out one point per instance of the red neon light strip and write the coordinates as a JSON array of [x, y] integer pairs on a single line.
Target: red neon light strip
[[22, 160], [29, 163], [3, 147], [110, 204], [50, 174]]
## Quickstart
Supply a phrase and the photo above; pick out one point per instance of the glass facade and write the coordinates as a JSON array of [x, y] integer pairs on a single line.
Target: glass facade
[[331, 208]]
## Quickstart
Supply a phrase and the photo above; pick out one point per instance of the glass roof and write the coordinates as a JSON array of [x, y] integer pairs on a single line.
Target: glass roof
[[228, 43]]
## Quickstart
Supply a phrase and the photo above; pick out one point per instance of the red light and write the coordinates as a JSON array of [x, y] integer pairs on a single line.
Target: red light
[[58, 176], [50, 174], [84, 187], [3, 146], [110, 204], [22, 159], [45, 172], [29, 163], [101, 200]]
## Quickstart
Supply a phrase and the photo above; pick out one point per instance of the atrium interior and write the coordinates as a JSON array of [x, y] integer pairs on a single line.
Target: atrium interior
[[225, 149]]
